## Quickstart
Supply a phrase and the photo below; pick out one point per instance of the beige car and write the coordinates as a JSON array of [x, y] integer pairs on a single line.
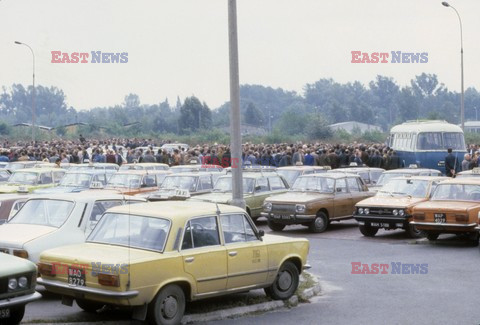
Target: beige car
[[315, 200], [392, 207]]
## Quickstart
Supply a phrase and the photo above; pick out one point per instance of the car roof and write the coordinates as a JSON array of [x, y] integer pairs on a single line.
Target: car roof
[[423, 178], [38, 170], [332, 175], [463, 181], [84, 196], [176, 210], [87, 171], [410, 170], [358, 169], [141, 172], [144, 164]]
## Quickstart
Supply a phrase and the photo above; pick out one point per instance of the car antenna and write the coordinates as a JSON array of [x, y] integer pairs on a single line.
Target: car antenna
[[129, 234]]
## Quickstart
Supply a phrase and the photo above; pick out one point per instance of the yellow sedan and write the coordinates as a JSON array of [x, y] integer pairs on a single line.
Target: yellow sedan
[[157, 256]]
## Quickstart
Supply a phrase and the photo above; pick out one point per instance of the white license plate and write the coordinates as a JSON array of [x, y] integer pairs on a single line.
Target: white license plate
[[4, 313], [380, 224], [440, 218], [76, 277], [281, 216]]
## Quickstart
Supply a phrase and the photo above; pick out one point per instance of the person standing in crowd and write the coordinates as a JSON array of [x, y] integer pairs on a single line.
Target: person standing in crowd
[[309, 159], [466, 161], [376, 160], [452, 167], [395, 161]]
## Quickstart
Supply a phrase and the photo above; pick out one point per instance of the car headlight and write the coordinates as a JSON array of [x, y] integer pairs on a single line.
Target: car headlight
[[12, 284], [267, 206], [300, 208], [366, 210], [401, 212], [395, 212], [23, 282], [20, 253], [360, 211]]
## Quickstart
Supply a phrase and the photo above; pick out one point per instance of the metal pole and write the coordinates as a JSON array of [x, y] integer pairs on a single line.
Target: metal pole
[[33, 91], [236, 136], [462, 98]]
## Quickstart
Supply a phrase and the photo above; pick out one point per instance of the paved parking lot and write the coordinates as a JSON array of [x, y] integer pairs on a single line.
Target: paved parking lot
[[446, 294]]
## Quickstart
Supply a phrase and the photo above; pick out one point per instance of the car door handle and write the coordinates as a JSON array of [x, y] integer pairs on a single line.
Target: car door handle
[[232, 253], [189, 259]]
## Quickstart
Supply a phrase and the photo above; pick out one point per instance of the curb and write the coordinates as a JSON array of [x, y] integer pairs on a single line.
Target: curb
[[262, 307]]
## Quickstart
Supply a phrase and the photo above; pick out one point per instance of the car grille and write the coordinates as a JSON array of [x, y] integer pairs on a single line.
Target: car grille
[[3, 285], [283, 208], [380, 211]]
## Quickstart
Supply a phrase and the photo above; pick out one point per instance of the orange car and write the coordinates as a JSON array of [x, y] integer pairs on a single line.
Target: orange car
[[453, 208], [131, 182]]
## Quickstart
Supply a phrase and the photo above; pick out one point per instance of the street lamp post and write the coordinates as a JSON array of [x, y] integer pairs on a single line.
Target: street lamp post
[[462, 107], [33, 91], [236, 136]]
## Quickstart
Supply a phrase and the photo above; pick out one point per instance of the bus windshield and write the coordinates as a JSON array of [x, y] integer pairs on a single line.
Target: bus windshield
[[440, 141]]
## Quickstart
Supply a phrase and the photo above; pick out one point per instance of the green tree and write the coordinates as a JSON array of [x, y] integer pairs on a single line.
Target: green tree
[[253, 115]]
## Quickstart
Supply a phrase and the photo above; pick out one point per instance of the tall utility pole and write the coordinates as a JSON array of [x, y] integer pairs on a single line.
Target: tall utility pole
[[462, 98], [33, 91], [236, 136]]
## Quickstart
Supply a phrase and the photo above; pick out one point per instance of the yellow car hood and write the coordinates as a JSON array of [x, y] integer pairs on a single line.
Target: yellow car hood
[[20, 234], [388, 201], [299, 197]]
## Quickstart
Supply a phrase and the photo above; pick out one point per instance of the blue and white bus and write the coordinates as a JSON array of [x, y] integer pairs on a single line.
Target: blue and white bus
[[425, 143]]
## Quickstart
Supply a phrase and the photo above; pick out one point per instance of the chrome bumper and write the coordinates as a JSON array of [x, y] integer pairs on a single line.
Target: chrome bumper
[[87, 290], [20, 300], [445, 225], [293, 218]]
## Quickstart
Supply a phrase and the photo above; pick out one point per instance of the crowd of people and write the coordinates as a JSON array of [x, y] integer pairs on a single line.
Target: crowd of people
[[122, 151]]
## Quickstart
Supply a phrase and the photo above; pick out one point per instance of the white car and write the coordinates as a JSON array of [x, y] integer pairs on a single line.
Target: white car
[[48, 221]]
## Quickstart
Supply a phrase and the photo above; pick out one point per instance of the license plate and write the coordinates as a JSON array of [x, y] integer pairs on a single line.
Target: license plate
[[4, 313], [76, 277], [439, 217], [281, 216], [380, 224]]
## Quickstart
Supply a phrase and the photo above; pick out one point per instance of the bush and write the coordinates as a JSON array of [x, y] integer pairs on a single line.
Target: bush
[[472, 138], [374, 136]]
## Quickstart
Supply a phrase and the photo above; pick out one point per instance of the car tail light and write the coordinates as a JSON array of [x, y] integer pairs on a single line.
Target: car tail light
[[461, 218], [45, 269], [20, 253], [111, 280], [419, 216]]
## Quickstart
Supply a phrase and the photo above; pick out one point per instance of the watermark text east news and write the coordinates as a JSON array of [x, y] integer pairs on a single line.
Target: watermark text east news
[[92, 57], [386, 57], [396, 268]]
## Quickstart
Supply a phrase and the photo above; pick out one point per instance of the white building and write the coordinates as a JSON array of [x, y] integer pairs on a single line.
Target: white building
[[352, 126]]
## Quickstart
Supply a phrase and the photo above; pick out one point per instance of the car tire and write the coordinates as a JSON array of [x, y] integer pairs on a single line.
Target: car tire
[[89, 306], [473, 239], [432, 236], [413, 232], [286, 282], [368, 231], [275, 226], [168, 306], [320, 223], [16, 316]]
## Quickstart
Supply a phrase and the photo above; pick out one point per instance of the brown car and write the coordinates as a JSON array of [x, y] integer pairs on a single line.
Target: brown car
[[453, 208], [315, 200]]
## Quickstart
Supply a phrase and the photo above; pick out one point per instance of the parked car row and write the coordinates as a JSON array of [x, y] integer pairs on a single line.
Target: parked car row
[[99, 246]]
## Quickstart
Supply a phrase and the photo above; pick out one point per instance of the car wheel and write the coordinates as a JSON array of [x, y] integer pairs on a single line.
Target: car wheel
[[275, 226], [413, 232], [286, 282], [368, 231], [320, 223], [89, 306], [168, 307], [473, 239], [16, 316], [432, 236]]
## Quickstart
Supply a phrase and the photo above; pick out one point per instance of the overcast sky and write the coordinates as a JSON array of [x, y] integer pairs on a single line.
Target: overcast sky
[[180, 47]]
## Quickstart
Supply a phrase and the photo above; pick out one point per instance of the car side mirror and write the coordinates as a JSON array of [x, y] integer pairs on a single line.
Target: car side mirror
[[261, 233]]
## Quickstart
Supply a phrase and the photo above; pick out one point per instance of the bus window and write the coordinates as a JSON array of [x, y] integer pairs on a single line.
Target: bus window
[[454, 141], [429, 141]]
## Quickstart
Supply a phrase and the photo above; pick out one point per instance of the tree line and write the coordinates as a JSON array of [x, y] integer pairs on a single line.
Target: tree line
[[382, 102]]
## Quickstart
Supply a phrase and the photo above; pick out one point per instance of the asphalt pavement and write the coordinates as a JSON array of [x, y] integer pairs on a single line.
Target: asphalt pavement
[[425, 283]]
